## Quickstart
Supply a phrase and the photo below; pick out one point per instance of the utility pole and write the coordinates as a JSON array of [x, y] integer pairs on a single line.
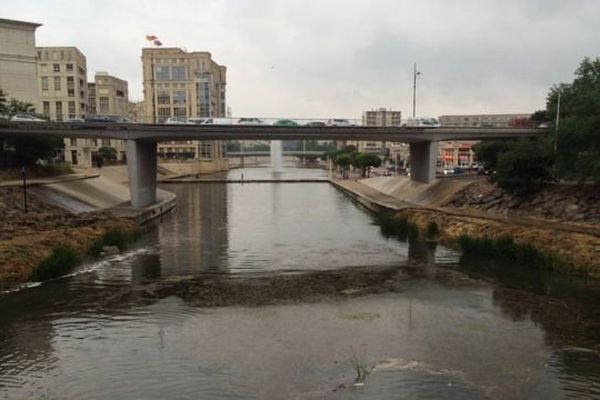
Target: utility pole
[[415, 75], [556, 133]]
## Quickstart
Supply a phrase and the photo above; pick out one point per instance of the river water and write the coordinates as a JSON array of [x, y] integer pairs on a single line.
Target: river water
[[446, 330]]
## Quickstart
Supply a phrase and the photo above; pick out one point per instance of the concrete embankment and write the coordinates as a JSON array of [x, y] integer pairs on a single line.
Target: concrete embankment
[[576, 247]]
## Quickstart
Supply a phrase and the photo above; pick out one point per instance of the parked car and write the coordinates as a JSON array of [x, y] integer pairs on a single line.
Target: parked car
[[251, 121], [338, 122], [217, 121], [24, 117], [285, 122], [75, 120], [197, 120]]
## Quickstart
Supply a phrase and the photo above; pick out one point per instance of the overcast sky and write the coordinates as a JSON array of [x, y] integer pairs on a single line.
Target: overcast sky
[[327, 58]]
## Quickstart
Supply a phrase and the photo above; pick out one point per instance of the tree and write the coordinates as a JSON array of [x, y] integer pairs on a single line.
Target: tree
[[524, 166], [16, 106], [3, 105], [107, 153], [486, 152], [343, 161], [364, 161]]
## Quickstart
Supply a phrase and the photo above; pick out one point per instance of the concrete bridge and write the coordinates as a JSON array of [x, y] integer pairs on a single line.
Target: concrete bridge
[[141, 142]]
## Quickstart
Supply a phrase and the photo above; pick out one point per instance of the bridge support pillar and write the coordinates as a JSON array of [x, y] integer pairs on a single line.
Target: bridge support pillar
[[141, 167], [423, 160]]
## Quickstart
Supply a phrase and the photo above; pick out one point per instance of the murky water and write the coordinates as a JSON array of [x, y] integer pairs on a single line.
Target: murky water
[[445, 331]]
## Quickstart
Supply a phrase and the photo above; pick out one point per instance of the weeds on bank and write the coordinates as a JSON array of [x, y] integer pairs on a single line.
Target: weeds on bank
[[391, 225], [61, 262], [361, 368], [506, 249]]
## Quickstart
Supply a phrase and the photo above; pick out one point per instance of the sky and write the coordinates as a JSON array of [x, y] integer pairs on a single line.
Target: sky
[[338, 58]]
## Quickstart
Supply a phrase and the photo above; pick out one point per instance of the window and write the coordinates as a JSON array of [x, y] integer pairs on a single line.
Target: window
[[178, 73], [46, 107], [103, 105], [164, 98], [163, 114], [69, 67], [56, 67], [179, 97], [59, 111], [179, 111], [71, 109], [44, 83], [70, 86], [205, 149], [162, 73], [120, 93], [57, 83], [73, 142]]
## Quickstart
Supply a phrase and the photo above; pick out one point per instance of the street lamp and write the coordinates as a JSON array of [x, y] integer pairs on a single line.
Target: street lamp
[[556, 132], [415, 75]]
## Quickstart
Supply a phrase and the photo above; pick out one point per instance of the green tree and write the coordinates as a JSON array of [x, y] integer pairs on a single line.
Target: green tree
[[16, 106], [3, 105], [364, 161], [486, 152], [108, 153], [343, 161], [524, 166]]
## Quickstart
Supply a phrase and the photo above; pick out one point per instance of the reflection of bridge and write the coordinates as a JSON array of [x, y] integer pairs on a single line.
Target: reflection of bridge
[[142, 138]]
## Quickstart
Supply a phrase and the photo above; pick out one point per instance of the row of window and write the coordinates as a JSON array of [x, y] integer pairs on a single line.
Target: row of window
[[58, 107]]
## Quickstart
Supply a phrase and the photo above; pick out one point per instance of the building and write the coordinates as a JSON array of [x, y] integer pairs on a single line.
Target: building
[[482, 120], [185, 84], [62, 83], [136, 111], [378, 117], [18, 61], [460, 153], [107, 95]]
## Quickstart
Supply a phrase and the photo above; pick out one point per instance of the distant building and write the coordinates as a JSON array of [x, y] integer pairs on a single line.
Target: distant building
[[136, 111], [459, 153], [18, 61], [62, 77], [185, 84], [481, 120], [377, 117]]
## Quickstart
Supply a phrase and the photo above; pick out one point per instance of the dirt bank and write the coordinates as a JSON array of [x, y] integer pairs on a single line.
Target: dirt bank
[[577, 253], [26, 239]]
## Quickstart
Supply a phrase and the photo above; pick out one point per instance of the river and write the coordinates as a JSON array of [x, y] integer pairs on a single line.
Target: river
[[443, 330]]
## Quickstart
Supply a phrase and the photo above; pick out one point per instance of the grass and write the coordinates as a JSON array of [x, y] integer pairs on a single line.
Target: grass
[[391, 225], [505, 248], [61, 262], [362, 369]]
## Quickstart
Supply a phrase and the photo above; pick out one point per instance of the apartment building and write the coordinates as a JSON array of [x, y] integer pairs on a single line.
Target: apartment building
[[185, 84], [18, 60], [378, 117], [62, 80]]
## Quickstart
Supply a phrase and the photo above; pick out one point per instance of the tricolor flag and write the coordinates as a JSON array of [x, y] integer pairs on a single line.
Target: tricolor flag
[[157, 43]]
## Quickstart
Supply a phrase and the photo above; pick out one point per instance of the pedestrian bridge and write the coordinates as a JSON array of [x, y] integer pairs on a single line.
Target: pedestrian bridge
[[141, 141]]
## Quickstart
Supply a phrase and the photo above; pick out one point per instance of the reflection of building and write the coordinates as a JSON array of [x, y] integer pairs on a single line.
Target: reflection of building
[[107, 95], [378, 117], [459, 153], [182, 84], [18, 61]]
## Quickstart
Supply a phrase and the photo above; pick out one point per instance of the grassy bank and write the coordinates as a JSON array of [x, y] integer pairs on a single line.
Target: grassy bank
[[567, 252], [49, 254]]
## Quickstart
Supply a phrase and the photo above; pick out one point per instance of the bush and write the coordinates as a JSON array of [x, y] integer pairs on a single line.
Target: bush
[[432, 231], [61, 262], [112, 237]]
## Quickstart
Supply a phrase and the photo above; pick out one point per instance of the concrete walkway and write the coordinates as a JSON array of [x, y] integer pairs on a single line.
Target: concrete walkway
[[49, 180], [388, 202]]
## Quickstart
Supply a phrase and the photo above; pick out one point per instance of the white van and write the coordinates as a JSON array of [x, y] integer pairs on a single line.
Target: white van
[[217, 121], [176, 121]]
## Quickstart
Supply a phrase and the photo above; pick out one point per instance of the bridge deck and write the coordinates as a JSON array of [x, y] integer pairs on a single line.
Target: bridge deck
[[157, 132]]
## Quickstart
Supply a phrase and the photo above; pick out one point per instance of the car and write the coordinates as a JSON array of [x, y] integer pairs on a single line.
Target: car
[[285, 122], [543, 125], [197, 120], [75, 120], [315, 123], [113, 119], [176, 121], [251, 121], [338, 122], [216, 121], [24, 117]]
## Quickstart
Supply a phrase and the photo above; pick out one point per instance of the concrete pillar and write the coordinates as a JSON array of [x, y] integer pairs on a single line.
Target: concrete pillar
[[141, 166], [423, 159]]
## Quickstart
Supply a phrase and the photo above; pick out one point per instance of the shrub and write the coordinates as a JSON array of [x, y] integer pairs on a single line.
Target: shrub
[[62, 261], [432, 231], [112, 237]]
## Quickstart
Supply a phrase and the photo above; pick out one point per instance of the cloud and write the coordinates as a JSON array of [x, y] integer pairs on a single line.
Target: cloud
[[338, 58]]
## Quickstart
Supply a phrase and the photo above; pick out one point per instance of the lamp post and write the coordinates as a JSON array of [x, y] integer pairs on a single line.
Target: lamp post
[[415, 75], [556, 133]]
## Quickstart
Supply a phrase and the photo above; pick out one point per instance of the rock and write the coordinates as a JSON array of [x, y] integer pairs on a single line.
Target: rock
[[109, 250]]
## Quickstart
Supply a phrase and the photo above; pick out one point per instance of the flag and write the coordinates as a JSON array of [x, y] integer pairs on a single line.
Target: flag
[[150, 38], [157, 43]]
